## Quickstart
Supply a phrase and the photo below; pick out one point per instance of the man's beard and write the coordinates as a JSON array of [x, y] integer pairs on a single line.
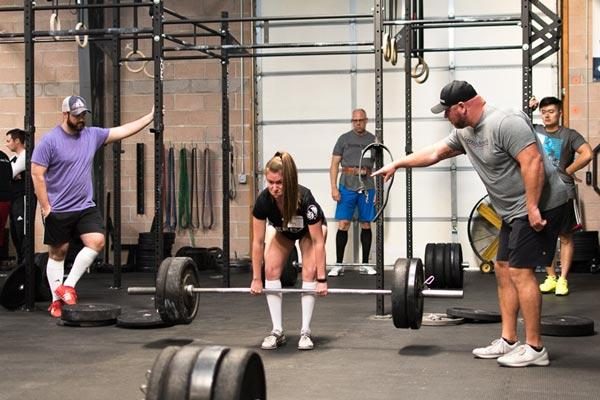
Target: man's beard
[[77, 126]]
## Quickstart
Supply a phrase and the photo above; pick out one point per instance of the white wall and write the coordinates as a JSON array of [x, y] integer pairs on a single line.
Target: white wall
[[304, 104]]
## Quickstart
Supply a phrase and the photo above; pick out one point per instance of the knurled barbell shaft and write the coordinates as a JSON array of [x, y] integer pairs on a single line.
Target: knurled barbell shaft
[[438, 293]]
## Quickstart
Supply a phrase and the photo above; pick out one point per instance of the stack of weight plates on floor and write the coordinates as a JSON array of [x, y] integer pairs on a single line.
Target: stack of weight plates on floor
[[145, 249], [443, 261], [586, 254], [198, 254]]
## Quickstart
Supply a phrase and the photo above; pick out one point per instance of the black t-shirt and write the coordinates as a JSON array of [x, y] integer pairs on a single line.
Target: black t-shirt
[[309, 212], [5, 177]]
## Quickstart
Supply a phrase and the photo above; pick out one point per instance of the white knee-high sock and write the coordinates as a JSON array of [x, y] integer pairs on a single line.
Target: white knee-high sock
[[274, 301], [55, 272], [308, 305], [84, 259]]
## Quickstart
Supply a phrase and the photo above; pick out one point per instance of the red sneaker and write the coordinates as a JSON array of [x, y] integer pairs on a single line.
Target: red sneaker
[[55, 309], [67, 294]]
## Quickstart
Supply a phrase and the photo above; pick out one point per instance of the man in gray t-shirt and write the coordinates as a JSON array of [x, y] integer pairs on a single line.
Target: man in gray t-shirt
[[561, 145], [527, 193], [355, 189]]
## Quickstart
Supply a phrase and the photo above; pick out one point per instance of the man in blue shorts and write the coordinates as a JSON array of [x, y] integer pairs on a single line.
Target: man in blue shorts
[[525, 190], [61, 170], [356, 189]]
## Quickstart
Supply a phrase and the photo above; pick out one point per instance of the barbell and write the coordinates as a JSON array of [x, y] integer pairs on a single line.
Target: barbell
[[177, 293]]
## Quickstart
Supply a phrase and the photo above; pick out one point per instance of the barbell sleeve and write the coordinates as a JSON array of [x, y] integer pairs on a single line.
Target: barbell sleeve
[[141, 290]]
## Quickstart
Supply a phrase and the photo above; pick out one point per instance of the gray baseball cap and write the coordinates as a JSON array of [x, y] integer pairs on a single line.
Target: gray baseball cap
[[74, 105]]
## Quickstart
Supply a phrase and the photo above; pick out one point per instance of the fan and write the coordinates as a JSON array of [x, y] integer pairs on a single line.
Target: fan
[[483, 228]]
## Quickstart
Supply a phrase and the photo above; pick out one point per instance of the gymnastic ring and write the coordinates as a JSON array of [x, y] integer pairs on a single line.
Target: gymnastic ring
[[416, 71], [55, 23], [423, 78], [394, 55], [386, 46], [127, 61], [84, 42], [148, 74]]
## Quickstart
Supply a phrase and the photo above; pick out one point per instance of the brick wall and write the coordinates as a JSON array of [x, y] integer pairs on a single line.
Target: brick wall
[[584, 96]]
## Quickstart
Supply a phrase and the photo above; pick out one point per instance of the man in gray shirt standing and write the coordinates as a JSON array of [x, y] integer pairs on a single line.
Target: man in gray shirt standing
[[526, 192], [356, 189], [561, 145]]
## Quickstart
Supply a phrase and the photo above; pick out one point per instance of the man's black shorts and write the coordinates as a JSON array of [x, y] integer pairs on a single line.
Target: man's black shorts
[[569, 220], [523, 247], [61, 227]]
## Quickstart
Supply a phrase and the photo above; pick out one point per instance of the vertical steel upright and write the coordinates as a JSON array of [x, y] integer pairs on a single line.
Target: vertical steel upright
[[378, 18], [116, 147], [225, 143], [408, 39], [526, 55], [29, 124], [158, 128]]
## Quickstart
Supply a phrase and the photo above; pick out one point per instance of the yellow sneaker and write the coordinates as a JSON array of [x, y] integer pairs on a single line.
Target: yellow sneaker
[[549, 284], [562, 287]]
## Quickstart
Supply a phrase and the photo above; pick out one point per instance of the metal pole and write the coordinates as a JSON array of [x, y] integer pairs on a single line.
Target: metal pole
[[226, 145], [29, 124], [158, 129], [116, 148], [408, 130], [378, 18], [526, 56]]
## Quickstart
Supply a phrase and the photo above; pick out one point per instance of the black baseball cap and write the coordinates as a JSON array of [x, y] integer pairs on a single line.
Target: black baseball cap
[[453, 93]]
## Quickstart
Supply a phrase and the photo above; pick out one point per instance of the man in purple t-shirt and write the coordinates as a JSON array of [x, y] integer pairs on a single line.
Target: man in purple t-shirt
[[61, 170]]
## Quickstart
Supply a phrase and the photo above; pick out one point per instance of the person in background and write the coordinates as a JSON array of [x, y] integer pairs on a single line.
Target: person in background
[[5, 194], [569, 152], [61, 170], [296, 216], [355, 189], [15, 141]]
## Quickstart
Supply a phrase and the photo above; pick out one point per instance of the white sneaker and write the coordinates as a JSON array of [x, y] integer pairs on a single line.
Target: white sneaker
[[497, 348], [305, 342], [273, 341], [336, 271], [367, 271], [523, 356]]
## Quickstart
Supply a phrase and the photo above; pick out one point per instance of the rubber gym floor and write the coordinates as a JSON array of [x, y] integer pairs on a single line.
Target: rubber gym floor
[[356, 356]]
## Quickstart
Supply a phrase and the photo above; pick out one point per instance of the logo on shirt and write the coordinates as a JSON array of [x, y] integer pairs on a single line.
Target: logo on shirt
[[552, 147], [312, 212]]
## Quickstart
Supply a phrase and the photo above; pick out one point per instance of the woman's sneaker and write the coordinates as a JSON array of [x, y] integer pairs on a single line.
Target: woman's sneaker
[[273, 341], [305, 342], [523, 356], [497, 348], [549, 284]]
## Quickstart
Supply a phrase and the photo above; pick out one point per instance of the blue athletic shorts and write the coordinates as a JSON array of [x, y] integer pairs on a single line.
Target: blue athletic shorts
[[350, 200]]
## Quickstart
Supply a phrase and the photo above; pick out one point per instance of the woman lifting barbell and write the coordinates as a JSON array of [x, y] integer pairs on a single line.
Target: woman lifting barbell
[[295, 215]]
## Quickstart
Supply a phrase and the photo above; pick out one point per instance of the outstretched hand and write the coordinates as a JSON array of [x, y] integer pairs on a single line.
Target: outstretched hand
[[387, 171]]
